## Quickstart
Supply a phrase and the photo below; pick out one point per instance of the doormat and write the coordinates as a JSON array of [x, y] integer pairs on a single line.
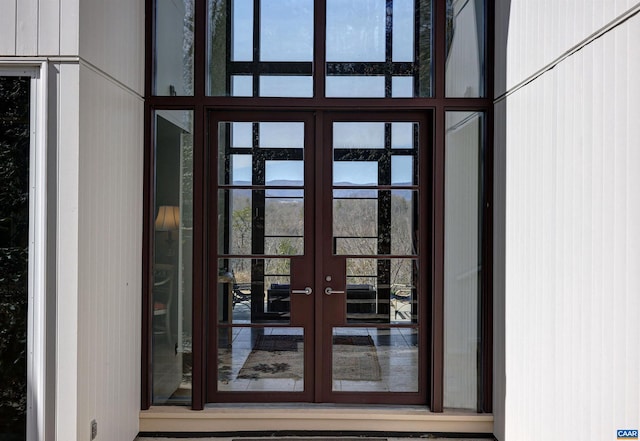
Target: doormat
[[277, 342], [274, 356], [281, 356], [355, 358]]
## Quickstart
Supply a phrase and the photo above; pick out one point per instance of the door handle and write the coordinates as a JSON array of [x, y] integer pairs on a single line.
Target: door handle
[[328, 291], [306, 291]]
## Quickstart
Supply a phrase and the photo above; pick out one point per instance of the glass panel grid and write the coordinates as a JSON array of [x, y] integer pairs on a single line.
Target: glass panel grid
[[378, 48], [382, 290], [254, 291], [263, 52], [381, 221], [374, 48]]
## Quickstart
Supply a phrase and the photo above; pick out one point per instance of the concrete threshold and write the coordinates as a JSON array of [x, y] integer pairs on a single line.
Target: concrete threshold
[[353, 437], [305, 418]]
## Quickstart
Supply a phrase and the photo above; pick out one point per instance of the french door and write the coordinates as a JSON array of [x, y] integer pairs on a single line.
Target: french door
[[319, 257]]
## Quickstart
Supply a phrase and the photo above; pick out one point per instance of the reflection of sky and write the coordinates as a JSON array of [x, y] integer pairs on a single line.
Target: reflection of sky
[[286, 32], [284, 171], [355, 32], [282, 134], [355, 172], [358, 135], [242, 30], [274, 171], [366, 172]]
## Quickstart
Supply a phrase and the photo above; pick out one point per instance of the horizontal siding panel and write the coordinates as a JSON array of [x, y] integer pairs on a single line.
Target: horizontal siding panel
[[540, 32]]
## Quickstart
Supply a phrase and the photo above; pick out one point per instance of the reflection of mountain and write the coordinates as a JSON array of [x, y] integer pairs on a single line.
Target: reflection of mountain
[[294, 186], [275, 183]]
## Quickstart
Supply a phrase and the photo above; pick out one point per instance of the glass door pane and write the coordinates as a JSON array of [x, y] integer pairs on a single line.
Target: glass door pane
[[375, 208], [374, 360], [374, 287], [263, 299]]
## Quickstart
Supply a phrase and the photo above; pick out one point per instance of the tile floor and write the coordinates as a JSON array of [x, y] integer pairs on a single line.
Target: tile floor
[[393, 356]]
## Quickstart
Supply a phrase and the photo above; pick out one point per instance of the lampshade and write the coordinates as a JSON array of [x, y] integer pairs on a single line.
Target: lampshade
[[168, 218]]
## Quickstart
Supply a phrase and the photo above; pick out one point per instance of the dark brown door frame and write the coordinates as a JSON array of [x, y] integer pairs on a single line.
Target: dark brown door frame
[[202, 104], [320, 237], [329, 262], [302, 266], [435, 309]]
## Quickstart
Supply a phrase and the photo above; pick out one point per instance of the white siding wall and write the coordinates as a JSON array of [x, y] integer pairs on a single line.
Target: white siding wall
[[567, 244], [95, 118], [66, 143], [541, 31], [110, 216], [38, 27], [112, 39], [109, 271]]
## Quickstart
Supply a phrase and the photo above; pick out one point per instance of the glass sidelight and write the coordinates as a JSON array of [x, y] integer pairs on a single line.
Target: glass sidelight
[[172, 261]]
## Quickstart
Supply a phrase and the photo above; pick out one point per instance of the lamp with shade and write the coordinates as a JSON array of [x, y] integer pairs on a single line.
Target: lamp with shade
[[168, 220]]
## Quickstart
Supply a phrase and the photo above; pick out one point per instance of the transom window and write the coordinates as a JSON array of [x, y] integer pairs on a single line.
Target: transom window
[[373, 48]]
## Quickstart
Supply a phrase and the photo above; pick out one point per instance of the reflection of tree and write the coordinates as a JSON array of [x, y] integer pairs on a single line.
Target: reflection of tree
[[284, 248], [14, 225], [355, 219], [187, 47], [284, 218], [217, 46], [424, 56], [241, 226]]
